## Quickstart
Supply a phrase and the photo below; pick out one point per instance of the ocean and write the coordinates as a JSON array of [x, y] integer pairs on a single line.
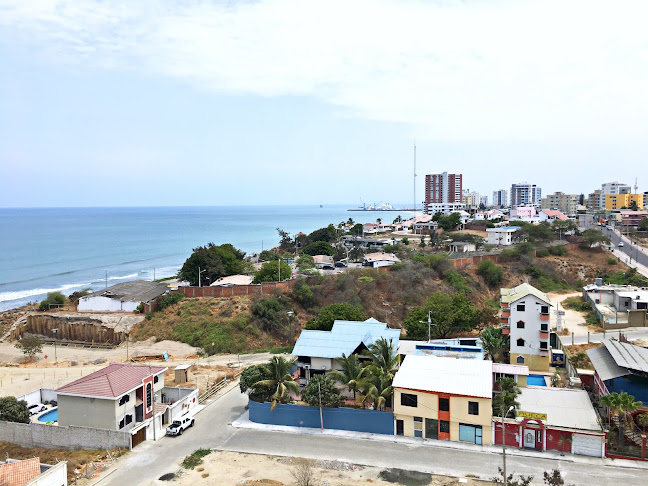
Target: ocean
[[67, 249]]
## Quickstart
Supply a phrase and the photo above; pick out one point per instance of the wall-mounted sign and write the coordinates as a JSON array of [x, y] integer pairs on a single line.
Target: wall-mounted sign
[[532, 415]]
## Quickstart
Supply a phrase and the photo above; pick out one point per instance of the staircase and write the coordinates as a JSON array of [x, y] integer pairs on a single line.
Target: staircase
[[632, 433]]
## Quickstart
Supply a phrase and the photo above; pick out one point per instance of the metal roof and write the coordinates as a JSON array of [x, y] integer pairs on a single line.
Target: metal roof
[[564, 407], [465, 377], [510, 369], [604, 364], [521, 291], [110, 382], [628, 355], [344, 337], [133, 291]]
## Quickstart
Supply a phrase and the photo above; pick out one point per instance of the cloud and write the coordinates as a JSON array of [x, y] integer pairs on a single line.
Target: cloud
[[472, 70]]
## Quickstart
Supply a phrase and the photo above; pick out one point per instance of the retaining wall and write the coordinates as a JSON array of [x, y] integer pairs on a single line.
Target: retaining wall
[[57, 437], [371, 421], [264, 288]]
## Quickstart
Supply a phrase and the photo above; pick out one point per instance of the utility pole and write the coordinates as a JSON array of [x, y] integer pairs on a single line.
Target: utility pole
[[504, 444], [319, 389], [199, 276], [279, 268], [414, 175], [429, 323], [55, 331], [106, 278]]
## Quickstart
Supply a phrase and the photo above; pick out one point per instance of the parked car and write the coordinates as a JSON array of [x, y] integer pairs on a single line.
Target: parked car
[[340, 264], [36, 408], [179, 426], [620, 244]]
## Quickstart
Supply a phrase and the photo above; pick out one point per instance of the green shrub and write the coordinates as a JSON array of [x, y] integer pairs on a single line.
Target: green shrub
[[611, 261], [53, 299], [457, 282], [303, 293], [558, 250], [329, 314], [195, 458], [542, 253], [168, 300], [525, 248], [534, 271], [271, 313], [491, 272]]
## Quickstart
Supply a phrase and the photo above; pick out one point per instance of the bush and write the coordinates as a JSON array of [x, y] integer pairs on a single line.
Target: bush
[[272, 272], [558, 250], [303, 293], [331, 313], [30, 345], [271, 312], [168, 300], [612, 261], [53, 299], [195, 458], [321, 385], [457, 282], [319, 248], [525, 248], [13, 410], [542, 253], [491, 272]]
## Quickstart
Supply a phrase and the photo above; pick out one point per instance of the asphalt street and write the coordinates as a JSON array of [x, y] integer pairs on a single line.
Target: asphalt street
[[628, 251], [150, 460]]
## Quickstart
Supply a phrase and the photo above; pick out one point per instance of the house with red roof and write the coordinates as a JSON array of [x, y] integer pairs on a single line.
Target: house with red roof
[[119, 397], [551, 215]]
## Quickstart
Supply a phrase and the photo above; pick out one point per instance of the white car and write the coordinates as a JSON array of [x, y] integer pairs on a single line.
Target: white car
[[620, 244], [36, 408], [178, 426]]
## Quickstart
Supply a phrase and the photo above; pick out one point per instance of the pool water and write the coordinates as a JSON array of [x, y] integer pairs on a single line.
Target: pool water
[[51, 416], [536, 380]]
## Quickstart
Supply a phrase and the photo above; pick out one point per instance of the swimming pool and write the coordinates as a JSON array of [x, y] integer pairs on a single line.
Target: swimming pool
[[536, 380], [51, 416]]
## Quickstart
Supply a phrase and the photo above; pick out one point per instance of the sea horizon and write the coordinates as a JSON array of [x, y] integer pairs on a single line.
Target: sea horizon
[[66, 249]]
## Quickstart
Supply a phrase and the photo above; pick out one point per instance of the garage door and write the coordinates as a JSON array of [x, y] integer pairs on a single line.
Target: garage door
[[587, 445], [138, 437]]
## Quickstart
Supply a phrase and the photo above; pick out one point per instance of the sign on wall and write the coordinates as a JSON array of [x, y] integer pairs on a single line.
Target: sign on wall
[[532, 415]]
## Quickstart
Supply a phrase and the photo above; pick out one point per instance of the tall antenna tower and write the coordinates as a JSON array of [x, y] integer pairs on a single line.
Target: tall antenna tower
[[636, 187], [415, 176]]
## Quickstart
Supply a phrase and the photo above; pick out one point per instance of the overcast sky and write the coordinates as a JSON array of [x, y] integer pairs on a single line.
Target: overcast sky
[[296, 102]]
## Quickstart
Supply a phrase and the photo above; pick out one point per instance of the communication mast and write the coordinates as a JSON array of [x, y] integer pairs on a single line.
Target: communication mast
[[414, 176]]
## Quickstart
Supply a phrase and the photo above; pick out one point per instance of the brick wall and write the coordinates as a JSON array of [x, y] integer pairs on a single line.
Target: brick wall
[[19, 472], [236, 290]]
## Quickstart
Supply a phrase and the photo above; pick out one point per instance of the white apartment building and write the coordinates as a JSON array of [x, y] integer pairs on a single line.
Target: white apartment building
[[471, 200], [525, 318], [525, 194], [500, 198], [565, 203], [613, 188]]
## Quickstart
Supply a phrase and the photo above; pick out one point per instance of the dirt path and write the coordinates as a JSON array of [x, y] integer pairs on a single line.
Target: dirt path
[[572, 320]]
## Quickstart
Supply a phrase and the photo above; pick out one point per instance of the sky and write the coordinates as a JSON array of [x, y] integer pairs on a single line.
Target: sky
[[159, 103]]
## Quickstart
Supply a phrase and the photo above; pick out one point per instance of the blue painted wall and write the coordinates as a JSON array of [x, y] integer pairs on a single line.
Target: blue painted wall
[[632, 385], [371, 421]]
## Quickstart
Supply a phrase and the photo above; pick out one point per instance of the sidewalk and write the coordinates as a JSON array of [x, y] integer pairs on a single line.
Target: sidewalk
[[243, 422], [642, 269]]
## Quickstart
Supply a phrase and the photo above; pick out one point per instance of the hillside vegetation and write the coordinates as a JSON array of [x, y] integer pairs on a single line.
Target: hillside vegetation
[[250, 323]]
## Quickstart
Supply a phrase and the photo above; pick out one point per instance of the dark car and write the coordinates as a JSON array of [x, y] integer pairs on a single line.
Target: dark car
[[340, 264]]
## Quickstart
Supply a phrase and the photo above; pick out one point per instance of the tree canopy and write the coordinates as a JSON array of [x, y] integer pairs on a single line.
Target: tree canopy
[[30, 345], [643, 225], [53, 299], [13, 410], [592, 237], [327, 234], [216, 261], [319, 248], [449, 222], [324, 387], [331, 313], [491, 272], [449, 314], [274, 271]]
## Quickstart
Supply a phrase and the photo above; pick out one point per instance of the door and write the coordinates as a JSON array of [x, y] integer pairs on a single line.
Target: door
[[587, 445], [529, 439], [400, 427], [138, 437], [431, 428]]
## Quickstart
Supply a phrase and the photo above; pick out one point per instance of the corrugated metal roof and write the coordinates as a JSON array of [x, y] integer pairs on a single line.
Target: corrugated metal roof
[[133, 291], [628, 355], [564, 407], [604, 364], [344, 337], [521, 291], [110, 382], [471, 378]]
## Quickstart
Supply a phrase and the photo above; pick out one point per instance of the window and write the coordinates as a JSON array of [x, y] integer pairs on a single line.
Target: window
[[409, 400], [129, 419], [520, 360], [473, 408], [444, 426], [418, 427], [124, 399], [544, 327], [444, 404], [520, 307], [156, 379], [149, 395], [121, 424], [520, 324], [544, 309], [543, 345], [470, 433], [520, 342]]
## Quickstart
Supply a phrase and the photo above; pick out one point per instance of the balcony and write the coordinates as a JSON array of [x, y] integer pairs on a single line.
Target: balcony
[[544, 334], [504, 321], [505, 313], [544, 317], [506, 331]]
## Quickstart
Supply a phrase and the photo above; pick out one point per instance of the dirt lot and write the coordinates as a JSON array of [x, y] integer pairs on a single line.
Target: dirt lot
[[231, 468]]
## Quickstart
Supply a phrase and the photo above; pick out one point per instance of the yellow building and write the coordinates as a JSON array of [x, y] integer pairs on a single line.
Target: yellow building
[[618, 201], [444, 398]]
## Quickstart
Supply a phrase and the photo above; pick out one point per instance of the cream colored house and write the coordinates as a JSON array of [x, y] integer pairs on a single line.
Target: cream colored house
[[444, 398]]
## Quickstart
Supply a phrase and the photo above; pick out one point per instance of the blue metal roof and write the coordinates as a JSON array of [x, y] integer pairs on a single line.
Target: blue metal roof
[[344, 337]]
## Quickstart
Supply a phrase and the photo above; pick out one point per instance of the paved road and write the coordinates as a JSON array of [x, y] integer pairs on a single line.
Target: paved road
[[629, 251], [632, 333], [151, 460]]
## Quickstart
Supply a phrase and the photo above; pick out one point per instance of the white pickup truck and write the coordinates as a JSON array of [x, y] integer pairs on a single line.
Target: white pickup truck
[[178, 426]]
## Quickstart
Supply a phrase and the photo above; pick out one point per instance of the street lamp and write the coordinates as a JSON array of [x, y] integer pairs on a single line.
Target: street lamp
[[199, 274], [504, 444], [429, 323], [292, 323], [54, 331]]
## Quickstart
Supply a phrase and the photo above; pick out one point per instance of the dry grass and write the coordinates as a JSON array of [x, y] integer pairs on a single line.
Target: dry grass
[[76, 459]]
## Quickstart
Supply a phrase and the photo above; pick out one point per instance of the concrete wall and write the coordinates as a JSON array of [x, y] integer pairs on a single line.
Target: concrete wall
[[184, 401], [55, 475], [88, 412], [101, 303], [371, 421], [40, 395], [51, 436]]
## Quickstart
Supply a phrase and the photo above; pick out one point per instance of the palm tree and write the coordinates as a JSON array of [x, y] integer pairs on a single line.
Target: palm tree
[[280, 378], [611, 401], [506, 396], [383, 355], [376, 388], [627, 405], [351, 374], [494, 343]]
